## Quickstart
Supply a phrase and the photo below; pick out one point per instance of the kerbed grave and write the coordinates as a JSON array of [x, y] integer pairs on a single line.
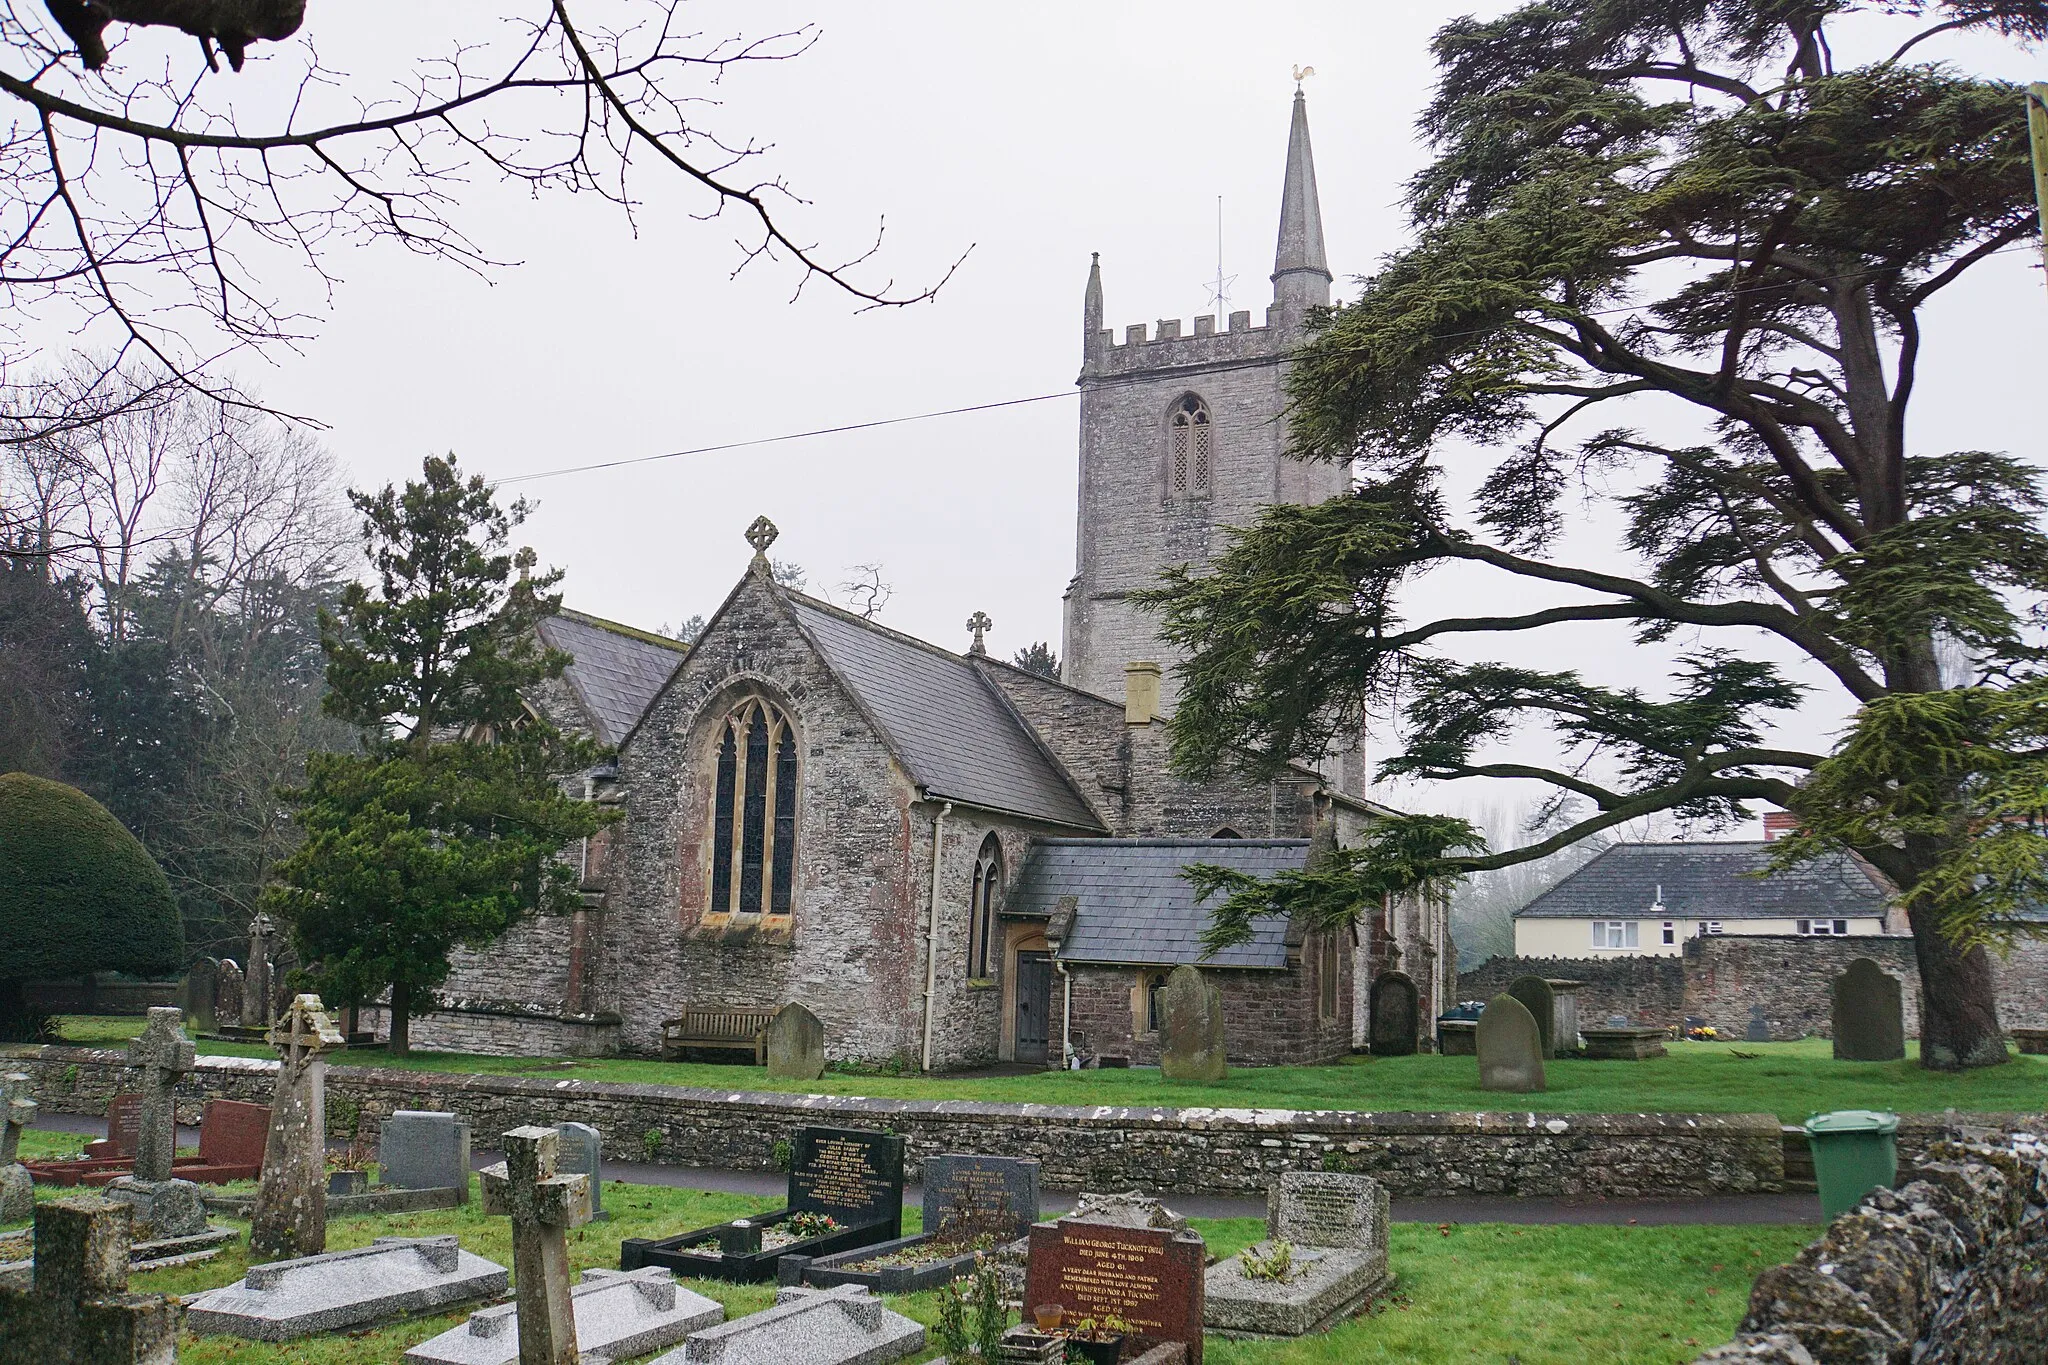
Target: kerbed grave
[[972, 1204], [845, 1191], [1148, 1277], [619, 1315], [840, 1326], [1324, 1258], [392, 1277]]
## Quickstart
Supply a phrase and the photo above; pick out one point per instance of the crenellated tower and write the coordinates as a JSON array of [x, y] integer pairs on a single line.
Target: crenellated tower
[[1182, 436]]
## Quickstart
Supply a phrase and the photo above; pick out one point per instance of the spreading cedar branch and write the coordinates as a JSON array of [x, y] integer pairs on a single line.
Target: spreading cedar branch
[[181, 215], [1688, 207]]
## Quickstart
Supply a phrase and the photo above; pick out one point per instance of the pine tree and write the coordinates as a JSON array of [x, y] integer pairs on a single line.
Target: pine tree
[[448, 822]]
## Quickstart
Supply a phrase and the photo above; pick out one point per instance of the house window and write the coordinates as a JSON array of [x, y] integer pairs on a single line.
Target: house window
[[1712, 926], [1189, 443], [1670, 932], [988, 882], [1329, 973], [1614, 933], [753, 819], [1831, 928]]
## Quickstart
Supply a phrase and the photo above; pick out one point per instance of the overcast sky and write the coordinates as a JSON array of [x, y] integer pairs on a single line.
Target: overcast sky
[[1033, 134]]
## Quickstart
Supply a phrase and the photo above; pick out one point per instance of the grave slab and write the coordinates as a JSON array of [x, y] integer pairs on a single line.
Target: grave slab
[[422, 1150], [619, 1314], [845, 1325], [391, 1278], [1633, 1044], [1335, 1227]]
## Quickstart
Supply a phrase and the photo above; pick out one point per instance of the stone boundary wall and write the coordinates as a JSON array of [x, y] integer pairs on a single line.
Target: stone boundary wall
[[1647, 990], [1173, 1151], [1946, 1269], [99, 997]]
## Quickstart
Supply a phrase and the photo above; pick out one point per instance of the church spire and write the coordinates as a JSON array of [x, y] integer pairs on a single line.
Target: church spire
[[1091, 304], [1301, 274]]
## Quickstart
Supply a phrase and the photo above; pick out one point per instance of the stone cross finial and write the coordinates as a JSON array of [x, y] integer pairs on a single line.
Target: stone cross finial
[[164, 1053], [290, 1217], [303, 1033], [17, 1111], [543, 1206], [980, 625], [761, 534], [256, 979], [79, 1311]]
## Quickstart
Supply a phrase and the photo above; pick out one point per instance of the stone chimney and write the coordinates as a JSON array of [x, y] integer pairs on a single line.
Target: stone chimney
[[1778, 824], [1141, 692]]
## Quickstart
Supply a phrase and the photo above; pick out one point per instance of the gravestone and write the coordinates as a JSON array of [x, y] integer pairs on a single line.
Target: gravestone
[[1126, 1210], [422, 1150], [256, 1001], [844, 1325], [78, 1310], [17, 1186], [582, 1153], [619, 1314], [1564, 1013], [1869, 1014], [543, 1205], [1759, 1028], [336, 1291], [1541, 1002], [1149, 1277], [1392, 1010], [227, 995], [994, 1194], [1191, 1039], [162, 1207], [124, 1127], [197, 993], [1335, 1226], [1510, 1047], [234, 1133], [290, 1218], [854, 1175], [796, 1044]]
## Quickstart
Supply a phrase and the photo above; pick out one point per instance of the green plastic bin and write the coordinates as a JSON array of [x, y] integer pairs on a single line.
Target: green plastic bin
[[1854, 1152]]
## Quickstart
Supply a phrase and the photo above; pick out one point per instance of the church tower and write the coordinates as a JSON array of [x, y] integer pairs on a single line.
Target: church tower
[[1181, 437]]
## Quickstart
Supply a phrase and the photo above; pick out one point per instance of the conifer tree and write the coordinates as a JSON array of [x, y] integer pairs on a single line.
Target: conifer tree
[[447, 823], [1669, 269]]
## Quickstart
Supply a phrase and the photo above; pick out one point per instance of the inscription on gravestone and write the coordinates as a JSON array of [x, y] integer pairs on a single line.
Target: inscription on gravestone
[[991, 1193], [124, 1123], [1151, 1278], [855, 1176]]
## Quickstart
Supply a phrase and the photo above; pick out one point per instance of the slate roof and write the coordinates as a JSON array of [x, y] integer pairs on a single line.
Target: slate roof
[[948, 725], [1710, 881], [617, 669], [1135, 907]]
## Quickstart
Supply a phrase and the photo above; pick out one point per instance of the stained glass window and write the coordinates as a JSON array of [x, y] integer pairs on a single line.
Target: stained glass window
[[753, 826]]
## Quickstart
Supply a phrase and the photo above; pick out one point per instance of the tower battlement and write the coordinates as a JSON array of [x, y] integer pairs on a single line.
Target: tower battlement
[[1170, 347]]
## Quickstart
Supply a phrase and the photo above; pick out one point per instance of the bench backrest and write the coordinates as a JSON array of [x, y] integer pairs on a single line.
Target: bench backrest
[[736, 1024]]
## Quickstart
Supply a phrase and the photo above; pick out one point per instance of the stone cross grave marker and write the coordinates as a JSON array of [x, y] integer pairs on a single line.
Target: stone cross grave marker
[[976, 1194], [79, 1311], [420, 1149], [163, 1053], [1541, 1002], [1759, 1028], [1392, 1010], [256, 1009], [582, 1153], [1510, 1047], [1192, 1045], [1869, 1014], [796, 1044], [1149, 1277], [17, 1186], [197, 991], [543, 1206], [290, 1219]]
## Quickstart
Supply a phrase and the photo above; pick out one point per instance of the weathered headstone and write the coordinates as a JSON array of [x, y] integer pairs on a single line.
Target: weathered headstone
[[1564, 1013], [227, 995], [17, 1186], [1335, 1227], [1510, 1047], [1627, 1043], [338, 1290], [1541, 1002], [257, 1006], [796, 1044], [1869, 1014], [1392, 1010], [582, 1153], [162, 1207], [79, 1310], [290, 1218], [844, 1325], [1192, 1044], [619, 1314], [1151, 1278], [197, 992], [543, 1206], [1758, 1029], [422, 1150], [994, 1194]]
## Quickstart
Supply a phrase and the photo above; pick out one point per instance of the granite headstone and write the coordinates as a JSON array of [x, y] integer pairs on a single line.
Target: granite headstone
[[795, 1041], [422, 1150], [1192, 1045], [582, 1153], [1541, 1001], [1510, 1047], [995, 1194], [852, 1174], [1392, 1009], [1869, 1014], [1151, 1278]]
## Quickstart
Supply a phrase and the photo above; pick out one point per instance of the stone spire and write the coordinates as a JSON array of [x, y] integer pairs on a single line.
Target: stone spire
[[1301, 274], [1091, 304]]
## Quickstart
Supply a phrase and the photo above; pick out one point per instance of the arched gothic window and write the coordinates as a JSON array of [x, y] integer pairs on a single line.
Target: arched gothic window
[[753, 815], [981, 924], [1190, 443]]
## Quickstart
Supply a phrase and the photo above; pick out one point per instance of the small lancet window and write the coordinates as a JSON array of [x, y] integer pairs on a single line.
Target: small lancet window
[[753, 818], [1190, 443], [981, 925]]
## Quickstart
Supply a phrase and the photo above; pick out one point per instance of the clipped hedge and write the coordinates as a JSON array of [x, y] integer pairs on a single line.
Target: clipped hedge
[[78, 892]]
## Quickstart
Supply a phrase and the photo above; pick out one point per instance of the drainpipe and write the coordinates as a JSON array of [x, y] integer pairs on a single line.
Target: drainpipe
[[1066, 1016], [931, 941]]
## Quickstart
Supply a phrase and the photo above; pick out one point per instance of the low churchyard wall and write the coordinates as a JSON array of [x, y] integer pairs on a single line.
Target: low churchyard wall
[[1180, 1151], [493, 1028], [1644, 990]]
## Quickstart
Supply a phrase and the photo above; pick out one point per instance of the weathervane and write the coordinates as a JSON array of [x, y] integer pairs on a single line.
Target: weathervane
[[1302, 73]]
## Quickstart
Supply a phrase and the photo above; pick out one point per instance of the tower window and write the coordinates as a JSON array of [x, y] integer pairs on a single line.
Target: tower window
[[981, 925], [753, 817], [1189, 449]]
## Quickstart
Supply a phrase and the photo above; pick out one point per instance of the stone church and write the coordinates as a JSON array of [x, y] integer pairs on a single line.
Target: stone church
[[952, 861]]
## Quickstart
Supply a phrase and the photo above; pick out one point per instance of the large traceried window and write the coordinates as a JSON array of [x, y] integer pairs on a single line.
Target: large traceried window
[[981, 924], [1190, 445], [753, 821]]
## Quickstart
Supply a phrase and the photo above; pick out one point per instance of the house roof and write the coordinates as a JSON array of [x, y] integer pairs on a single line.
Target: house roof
[[951, 728], [617, 669], [1133, 905], [1727, 881]]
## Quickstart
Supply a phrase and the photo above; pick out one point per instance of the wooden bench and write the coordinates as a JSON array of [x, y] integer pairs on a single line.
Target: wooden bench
[[716, 1026]]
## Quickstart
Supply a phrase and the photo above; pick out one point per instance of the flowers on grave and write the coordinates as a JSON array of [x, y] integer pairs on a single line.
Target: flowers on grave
[[1097, 1341], [1705, 1033], [1273, 1264], [809, 1223]]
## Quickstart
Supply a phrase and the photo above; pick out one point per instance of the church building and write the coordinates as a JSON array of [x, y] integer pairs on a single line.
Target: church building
[[952, 861]]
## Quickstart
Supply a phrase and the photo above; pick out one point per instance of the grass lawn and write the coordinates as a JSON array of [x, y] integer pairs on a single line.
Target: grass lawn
[[1791, 1080], [1479, 1293]]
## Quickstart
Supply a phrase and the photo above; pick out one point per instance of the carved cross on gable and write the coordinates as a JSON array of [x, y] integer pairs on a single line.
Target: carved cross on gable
[[17, 1111], [163, 1053], [543, 1206], [303, 1033], [980, 625]]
